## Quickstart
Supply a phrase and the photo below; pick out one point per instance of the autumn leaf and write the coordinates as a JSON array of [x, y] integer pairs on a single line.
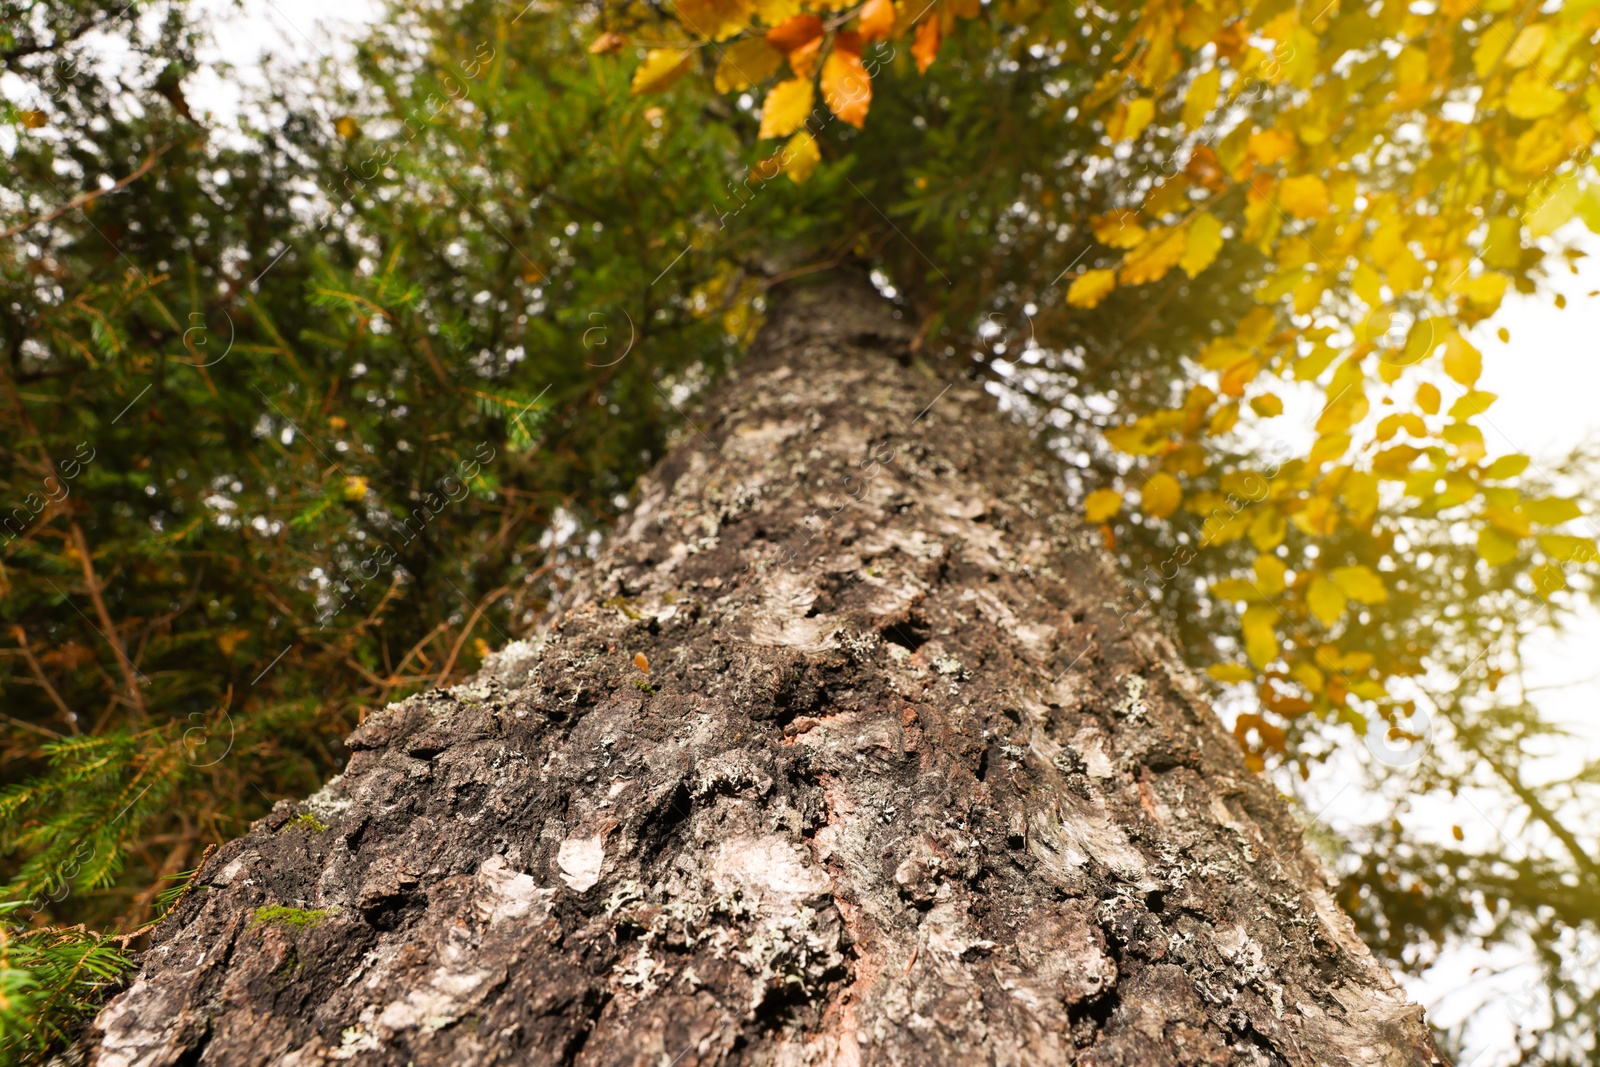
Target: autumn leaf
[[745, 63], [354, 488], [801, 156], [876, 20], [1270, 572], [347, 127], [925, 47], [1117, 229], [1160, 496], [661, 67], [772, 12], [1531, 96], [1155, 255], [1461, 361], [1268, 146], [1565, 548], [796, 32], [1260, 637], [1361, 584], [1551, 510], [1132, 118], [1102, 504], [846, 86], [1091, 287], [1205, 241], [607, 43], [715, 20], [785, 108], [1304, 196], [1235, 672], [641, 662], [1201, 97], [1267, 405], [1326, 600], [1496, 547]]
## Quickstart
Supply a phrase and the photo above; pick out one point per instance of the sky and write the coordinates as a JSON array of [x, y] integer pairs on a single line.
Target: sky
[[1547, 378]]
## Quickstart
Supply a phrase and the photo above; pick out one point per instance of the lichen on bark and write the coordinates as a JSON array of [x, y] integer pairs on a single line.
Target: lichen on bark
[[905, 785]]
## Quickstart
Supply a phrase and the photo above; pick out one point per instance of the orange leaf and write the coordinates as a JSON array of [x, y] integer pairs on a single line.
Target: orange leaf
[[926, 46], [846, 85], [803, 60], [607, 43], [877, 20], [640, 662], [796, 32]]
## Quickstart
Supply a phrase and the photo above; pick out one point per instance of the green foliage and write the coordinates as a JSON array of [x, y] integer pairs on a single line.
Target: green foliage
[[49, 981]]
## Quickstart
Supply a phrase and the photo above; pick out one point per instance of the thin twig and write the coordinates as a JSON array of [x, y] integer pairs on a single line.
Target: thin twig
[[79, 201], [129, 675]]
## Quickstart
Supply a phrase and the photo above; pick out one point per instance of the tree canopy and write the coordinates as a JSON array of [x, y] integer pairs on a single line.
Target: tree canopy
[[309, 413]]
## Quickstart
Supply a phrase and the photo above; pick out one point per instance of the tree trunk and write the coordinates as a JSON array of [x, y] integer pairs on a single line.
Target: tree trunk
[[903, 784]]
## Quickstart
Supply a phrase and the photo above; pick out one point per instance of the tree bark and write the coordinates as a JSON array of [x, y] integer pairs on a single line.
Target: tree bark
[[905, 783]]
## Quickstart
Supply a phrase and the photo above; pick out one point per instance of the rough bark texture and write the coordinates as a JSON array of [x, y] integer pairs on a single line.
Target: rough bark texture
[[899, 787]]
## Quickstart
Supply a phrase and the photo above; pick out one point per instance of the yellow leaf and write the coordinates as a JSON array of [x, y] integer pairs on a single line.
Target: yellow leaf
[[846, 85], [1136, 117], [1526, 48], [1201, 97], [1154, 256], [774, 12], [1491, 49], [1506, 467], [1428, 398], [345, 126], [1568, 549], [1102, 504], [661, 67], [1235, 589], [1496, 547], [1260, 640], [1233, 672], [786, 107], [1531, 96], [1091, 287], [1360, 584], [1160, 496], [1304, 196], [1486, 289], [1547, 579], [355, 488], [1554, 206], [1117, 229], [1205, 241], [1269, 575], [745, 63], [1326, 600], [1267, 405], [1461, 361], [713, 19], [1551, 510], [800, 157], [1268, 529]]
